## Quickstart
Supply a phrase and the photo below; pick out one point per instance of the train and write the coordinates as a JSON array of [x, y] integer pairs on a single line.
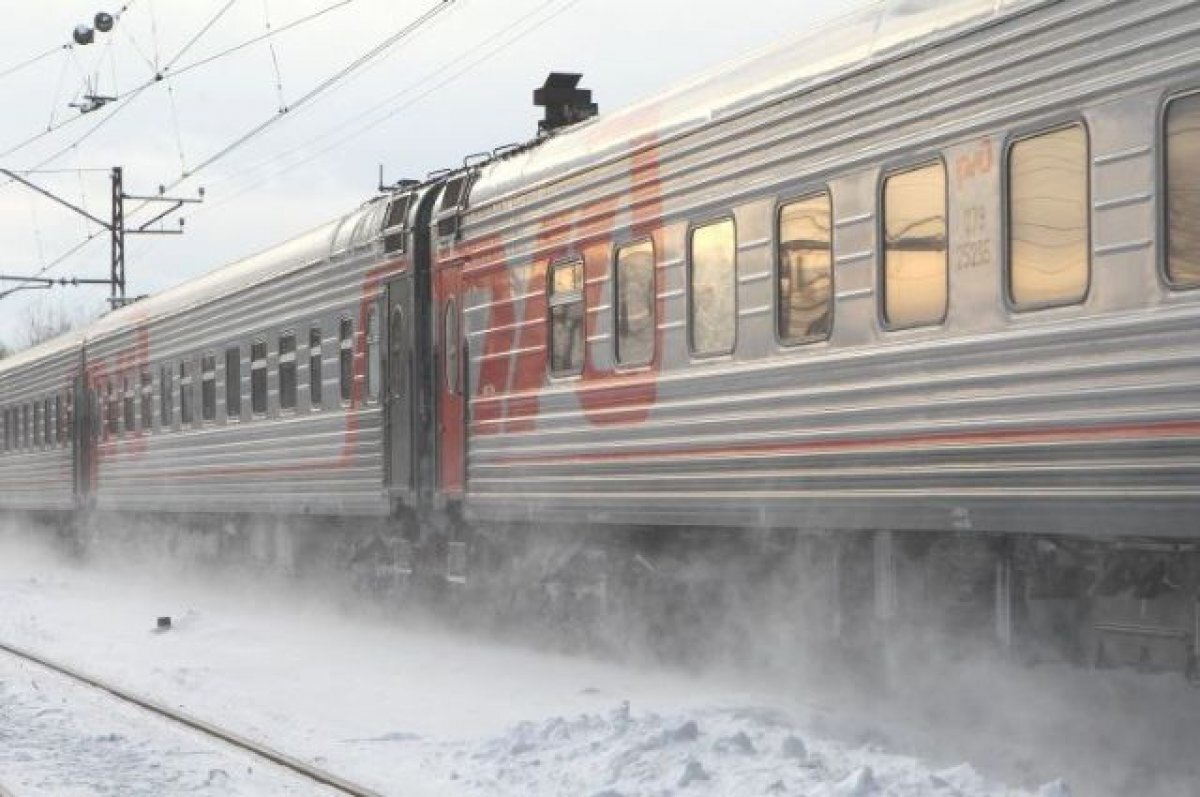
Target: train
[[914, 296]]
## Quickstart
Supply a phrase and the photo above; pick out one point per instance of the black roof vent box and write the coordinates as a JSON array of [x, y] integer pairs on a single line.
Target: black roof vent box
[[566, 104]]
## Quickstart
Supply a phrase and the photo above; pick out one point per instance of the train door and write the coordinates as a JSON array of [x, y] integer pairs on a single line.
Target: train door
[[83, 439], [409, 399], [451, 390], [399, 393]]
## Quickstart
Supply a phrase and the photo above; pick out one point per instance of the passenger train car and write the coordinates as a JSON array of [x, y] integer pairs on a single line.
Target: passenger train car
[[921, 286]]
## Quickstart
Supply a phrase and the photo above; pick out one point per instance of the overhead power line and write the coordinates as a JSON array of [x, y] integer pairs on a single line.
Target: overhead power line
[[200, 33], [405, 32], [468, 60], [312, 95], [12, 70], [119, 104]]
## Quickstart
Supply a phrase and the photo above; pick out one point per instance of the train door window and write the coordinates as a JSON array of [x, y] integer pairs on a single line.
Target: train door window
[[166, 393], [712, 285], [316, 368], [28, 429], [208, 388], [7, 429], [1182, 174], [805, 277], [68, 417], [114, 413], [398, 366], [128, 401], [258, 378], [187, 398], [287, 371], [394, 235], [346, 358], [452, 344], [566, 318], [58, 419], [147, 402], [371, 345], [1048, 219], [233, 383], [37, 425], [46, 435], [916, 287], [636, 302]]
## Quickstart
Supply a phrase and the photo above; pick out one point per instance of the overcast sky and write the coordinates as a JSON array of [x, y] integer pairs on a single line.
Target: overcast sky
[[407, 110]]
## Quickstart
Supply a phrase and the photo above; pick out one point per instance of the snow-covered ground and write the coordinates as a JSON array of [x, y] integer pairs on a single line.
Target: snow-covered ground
[[399, 708]]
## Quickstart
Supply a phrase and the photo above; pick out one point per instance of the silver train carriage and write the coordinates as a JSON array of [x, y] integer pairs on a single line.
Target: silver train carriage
[[931, 269]]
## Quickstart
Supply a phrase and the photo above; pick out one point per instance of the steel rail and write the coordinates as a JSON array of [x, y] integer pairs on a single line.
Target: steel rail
[[227, 737]]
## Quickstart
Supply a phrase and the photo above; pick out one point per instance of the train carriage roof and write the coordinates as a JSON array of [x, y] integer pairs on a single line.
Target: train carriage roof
[[879, 31]]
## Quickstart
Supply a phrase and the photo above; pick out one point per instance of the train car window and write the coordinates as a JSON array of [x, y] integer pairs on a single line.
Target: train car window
[[37, 425], [287, 371], [47, 425], [452, 344], [712, 286], [147, 401], [916, 286], [128, 406], [805, 278], [1183, 191], [1048, 219], [233, 383], [7, 428], [208, 388], [187, 397], [68, 418], [395, 238], [316, 368], [28, 430], [346, 358], [566, 318], [636, 302], [166, 393], [258, 378], [371, 345], [58, 419]]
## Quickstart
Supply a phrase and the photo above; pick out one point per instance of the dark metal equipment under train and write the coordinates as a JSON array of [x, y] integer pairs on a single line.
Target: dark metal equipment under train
[[918, 294]]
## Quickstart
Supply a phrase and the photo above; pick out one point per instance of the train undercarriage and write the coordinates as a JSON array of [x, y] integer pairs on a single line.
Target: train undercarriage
[[727, 595]]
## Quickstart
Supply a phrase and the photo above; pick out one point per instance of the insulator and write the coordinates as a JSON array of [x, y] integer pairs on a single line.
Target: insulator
[[84, 35], [104, 22]]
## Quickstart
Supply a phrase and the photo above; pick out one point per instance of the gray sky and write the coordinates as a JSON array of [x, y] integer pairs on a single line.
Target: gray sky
[[321, 159]]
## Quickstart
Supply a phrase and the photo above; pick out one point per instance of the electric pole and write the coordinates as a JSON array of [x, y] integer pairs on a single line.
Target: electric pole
[[116, 228]]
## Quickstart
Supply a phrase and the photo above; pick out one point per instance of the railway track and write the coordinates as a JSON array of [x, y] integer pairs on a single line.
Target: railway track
[[222, 735]]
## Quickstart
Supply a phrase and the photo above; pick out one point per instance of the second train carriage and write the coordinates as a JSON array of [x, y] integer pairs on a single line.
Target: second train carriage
[[932, 270]]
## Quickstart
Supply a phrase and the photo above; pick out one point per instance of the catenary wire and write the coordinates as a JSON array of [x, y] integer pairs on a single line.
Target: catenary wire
[[118, 105], [28, 62], [200, 33], [480, 58], [405, 32], [322, 87]]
